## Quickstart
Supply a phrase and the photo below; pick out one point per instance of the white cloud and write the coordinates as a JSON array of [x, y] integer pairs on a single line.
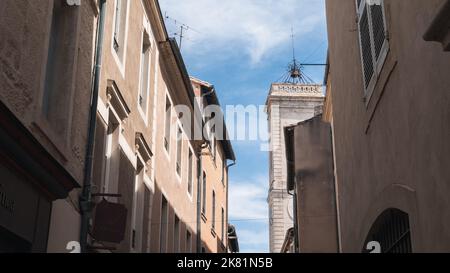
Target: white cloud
[[248, 207], [256, 27], [248, 200], [252, 237], [253, 241]]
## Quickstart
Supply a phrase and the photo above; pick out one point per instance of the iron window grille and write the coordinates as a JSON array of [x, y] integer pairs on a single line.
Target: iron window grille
[[392, 231]]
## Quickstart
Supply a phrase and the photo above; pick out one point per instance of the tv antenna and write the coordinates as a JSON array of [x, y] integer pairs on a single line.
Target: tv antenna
[[183, 28], [295, 72]]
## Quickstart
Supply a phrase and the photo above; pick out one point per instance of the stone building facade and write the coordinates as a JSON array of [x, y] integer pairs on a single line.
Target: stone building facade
[[216, 157], [287, 104], [145, 159], [46, 64]]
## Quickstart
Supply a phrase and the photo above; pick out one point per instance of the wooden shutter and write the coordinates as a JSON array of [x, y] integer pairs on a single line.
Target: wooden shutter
[[378, 28], [373, 38], [127, 177]]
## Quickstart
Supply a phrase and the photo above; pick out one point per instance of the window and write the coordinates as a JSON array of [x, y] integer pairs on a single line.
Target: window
[[204, 194], [190, 172], [120, 18], [176, 235], [213, 210], [138, 207], [373, 40], [179, 150], [144, 71], [147, 220], [163, 225], [56, 102], [213, 144], [392, 231], [167, 124], [117, 24], [112, 153], [222, 223], [211, 133], [188, 242]]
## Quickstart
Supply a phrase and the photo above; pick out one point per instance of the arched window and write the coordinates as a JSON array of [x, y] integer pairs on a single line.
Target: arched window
[[392, 231]]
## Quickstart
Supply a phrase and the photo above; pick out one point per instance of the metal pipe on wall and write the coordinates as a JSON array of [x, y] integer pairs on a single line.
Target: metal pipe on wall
[[86, 198]]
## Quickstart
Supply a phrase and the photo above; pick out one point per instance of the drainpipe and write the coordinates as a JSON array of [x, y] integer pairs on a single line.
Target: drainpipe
[[296, 239], [228, 188], [85, 198]]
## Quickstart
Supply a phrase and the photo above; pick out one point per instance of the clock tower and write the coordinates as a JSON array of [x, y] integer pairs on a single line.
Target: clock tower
[[293, 101]]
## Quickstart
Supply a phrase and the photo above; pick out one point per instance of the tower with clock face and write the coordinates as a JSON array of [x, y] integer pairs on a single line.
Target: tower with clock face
[[287, 104]]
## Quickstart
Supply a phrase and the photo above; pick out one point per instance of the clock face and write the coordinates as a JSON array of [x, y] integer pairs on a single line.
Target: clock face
[[290, 209]]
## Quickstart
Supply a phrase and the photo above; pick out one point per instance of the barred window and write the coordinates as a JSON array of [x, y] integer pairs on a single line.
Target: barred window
[[392, 231], [373, 39]]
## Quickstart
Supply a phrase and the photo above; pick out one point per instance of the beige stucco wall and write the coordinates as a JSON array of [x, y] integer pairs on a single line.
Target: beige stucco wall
[[64, 227], [213, 168], [394, 153], [212, 238]]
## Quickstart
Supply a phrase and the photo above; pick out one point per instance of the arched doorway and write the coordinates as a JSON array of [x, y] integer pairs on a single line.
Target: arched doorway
[[392, 231]]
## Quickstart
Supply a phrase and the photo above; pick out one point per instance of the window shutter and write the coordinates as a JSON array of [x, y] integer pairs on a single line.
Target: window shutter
[[373, 38], [379, 31], [126, 189], [366, 46]]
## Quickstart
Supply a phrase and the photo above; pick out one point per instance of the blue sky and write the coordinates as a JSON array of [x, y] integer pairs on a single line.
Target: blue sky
[[241, 47]]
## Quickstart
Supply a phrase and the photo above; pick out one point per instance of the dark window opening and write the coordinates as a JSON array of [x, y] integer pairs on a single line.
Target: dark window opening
[[392, 231]]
